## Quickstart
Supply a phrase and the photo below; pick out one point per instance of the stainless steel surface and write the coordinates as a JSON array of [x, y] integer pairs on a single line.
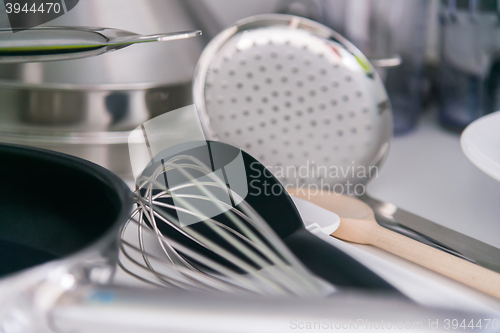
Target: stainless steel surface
[[380, 29], [201, 12], [90, 122], [88, 106], [292, 92], [67, 43], [388, 62], [170, 311]]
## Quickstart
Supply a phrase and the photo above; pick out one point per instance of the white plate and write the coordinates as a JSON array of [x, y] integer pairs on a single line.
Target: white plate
[[481, 144]]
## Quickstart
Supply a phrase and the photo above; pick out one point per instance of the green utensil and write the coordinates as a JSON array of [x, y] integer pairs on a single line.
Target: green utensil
[[64, 43]]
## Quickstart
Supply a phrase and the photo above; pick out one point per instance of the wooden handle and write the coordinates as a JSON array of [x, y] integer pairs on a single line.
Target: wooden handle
[[368, 232]]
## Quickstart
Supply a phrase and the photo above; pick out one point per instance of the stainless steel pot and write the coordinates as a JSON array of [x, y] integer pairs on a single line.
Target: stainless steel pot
[[91, 122], [86, 107]]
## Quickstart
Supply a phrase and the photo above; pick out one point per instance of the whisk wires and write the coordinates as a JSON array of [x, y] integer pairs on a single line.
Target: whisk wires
[[168, 254]]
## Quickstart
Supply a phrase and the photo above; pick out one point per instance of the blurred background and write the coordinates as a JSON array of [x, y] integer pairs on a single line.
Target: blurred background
[[427, 51], [438, 59], [439, 53]]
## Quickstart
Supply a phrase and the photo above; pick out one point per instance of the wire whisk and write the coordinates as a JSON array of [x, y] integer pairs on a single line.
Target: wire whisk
[[192, 230]]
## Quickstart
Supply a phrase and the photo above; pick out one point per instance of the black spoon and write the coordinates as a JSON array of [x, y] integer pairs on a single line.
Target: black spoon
[[267, 196]]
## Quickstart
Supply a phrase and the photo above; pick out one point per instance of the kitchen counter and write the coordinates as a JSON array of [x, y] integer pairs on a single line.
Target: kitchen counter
[[427, 174]]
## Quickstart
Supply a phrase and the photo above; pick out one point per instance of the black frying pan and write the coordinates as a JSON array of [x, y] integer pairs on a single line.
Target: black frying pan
[[57, 207]]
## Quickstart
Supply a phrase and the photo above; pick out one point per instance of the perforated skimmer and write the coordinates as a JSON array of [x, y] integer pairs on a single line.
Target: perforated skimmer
[[298, 97], [309, 105]]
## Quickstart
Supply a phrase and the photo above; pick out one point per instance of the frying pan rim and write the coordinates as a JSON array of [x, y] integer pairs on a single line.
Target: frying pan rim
[[101, 174]]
